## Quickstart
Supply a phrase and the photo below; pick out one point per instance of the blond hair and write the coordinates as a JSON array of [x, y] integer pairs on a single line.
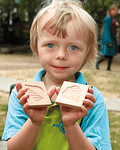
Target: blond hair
[[56, 17]]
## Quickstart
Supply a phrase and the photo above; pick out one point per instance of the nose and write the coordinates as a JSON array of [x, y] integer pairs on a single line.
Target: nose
[[61, 54]]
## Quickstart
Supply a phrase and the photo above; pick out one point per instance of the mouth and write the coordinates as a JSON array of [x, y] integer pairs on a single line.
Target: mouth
[[59, 68]]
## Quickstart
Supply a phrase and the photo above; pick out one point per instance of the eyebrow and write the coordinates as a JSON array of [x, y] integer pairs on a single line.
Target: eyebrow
[[51, 40]]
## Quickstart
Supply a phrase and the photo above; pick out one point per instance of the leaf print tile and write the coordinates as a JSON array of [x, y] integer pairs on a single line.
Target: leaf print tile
[[38, 94], [72, 94]]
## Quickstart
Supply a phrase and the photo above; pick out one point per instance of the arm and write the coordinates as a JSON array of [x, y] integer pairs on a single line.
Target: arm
[[75, 136], [25, 138]]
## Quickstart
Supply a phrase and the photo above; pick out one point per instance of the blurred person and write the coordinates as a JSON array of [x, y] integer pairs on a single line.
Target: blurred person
[[108, 46]]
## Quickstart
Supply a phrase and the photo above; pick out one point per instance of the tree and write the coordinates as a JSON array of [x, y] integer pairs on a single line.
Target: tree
[[15, 10], [23, 7], [29, 7]]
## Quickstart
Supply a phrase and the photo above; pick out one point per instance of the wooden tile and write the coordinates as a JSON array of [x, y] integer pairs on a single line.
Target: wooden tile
[[38, 94], [72, 94]]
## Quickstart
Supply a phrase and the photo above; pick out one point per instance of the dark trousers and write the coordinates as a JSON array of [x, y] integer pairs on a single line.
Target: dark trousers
[[110, 58], [115, 44]]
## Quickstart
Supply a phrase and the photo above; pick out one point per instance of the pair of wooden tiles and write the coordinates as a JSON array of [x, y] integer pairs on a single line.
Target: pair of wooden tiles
[[71, 94]]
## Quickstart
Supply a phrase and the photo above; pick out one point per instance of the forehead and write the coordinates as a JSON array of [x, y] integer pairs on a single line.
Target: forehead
[[71, 27], [72, 36], [114, 9], [74, 29]]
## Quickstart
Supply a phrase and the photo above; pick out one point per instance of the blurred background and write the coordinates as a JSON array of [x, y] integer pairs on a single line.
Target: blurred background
[[16, 17]]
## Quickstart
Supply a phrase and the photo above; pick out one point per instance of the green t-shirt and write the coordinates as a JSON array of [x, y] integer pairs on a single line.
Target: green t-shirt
[[52, 133]]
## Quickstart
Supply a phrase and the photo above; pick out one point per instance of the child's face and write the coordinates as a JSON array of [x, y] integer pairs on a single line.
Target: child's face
[[61, 58]]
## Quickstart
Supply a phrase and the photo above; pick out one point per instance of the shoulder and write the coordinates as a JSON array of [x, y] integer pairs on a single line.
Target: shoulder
[[98, 95], [107, 19]]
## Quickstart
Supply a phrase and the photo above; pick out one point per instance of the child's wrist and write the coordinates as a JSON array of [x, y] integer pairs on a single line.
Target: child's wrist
[[72, 125], [35, 124]]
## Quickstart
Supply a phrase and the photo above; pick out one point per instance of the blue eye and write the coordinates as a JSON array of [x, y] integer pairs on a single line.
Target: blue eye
[[50, 45], [73, 47]]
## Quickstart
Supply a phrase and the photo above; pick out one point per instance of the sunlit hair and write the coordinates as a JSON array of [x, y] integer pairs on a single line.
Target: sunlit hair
[[54, 18]]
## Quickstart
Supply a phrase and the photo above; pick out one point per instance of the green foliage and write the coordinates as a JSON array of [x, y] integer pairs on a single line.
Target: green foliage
[[8, 5], [23, 6], [28, 6]]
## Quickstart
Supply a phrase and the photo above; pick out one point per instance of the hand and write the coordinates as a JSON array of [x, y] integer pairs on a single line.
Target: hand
[[37, 114], [110, 44], [71, 115], [117, 24]]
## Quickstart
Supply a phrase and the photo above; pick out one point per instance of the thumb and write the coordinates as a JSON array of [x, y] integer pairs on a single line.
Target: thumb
[[51, 91]]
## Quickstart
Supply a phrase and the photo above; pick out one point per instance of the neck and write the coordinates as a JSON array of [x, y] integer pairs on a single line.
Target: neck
[[58, 83]]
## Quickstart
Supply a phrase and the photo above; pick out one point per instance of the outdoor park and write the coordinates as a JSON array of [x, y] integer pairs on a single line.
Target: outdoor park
[[19, 63]]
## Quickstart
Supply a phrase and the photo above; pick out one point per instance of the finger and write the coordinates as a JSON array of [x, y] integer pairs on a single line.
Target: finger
[[57, 90], [18, 86], [23, 99], [26, 109], [84, 112], [90, 90], [21, 92], [90, 97], [51, 91], [88, 104]]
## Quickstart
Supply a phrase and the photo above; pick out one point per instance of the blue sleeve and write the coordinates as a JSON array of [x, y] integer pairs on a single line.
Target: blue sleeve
[[106, 38], [96, 125], [15, 117]]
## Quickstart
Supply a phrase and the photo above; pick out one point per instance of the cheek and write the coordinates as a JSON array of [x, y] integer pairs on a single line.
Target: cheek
[[76, 62], [79, 58], [44, 59], [41, 57], [79, 61]]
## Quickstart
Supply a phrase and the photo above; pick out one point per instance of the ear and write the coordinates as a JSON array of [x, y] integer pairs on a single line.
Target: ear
[[36, 53], [36, 49]]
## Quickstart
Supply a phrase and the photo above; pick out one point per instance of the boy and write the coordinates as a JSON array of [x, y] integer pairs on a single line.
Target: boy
[[63, 36]]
